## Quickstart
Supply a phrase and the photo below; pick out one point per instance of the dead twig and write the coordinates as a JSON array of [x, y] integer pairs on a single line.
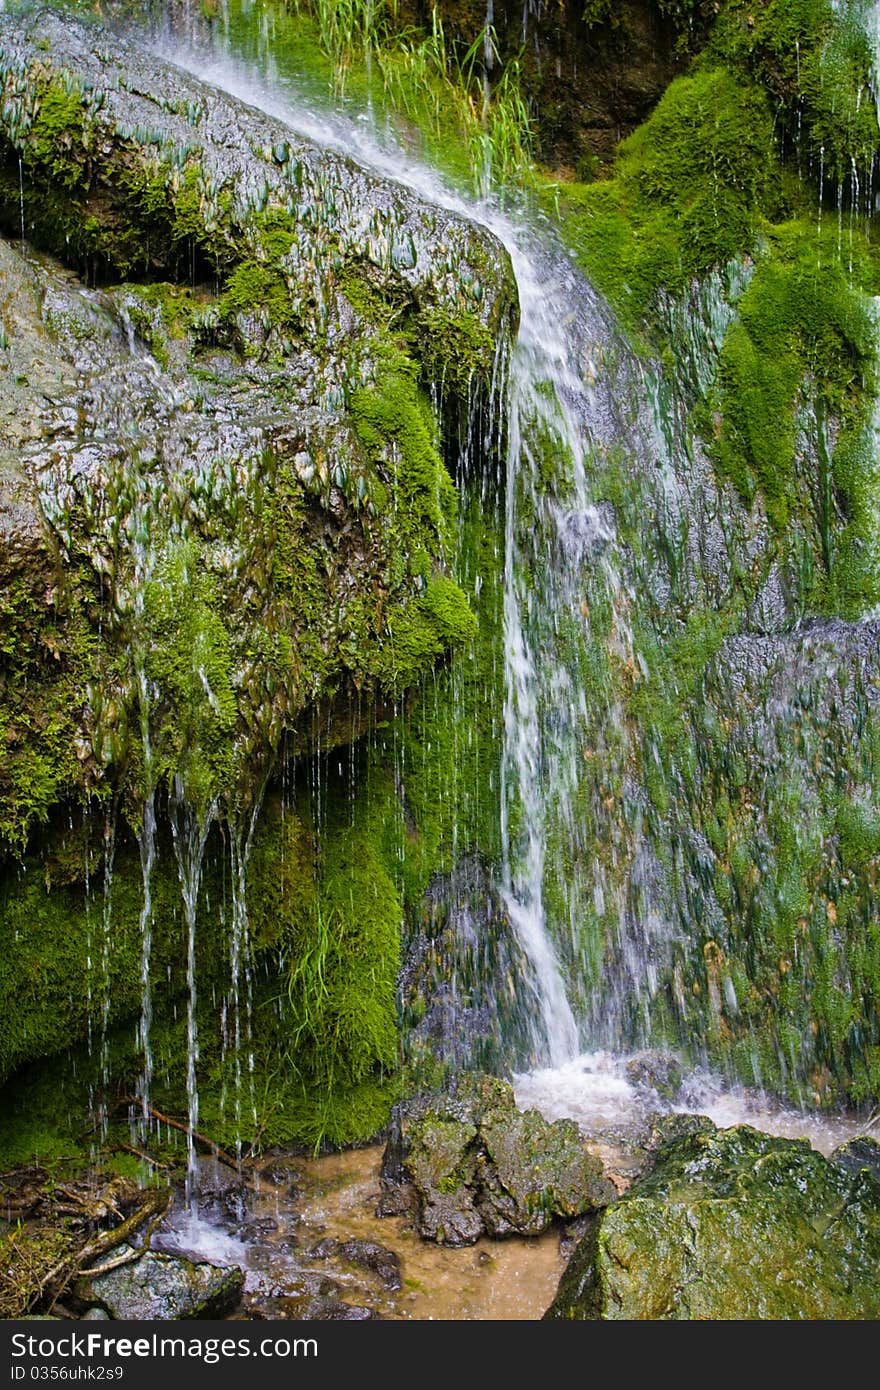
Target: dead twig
[[144, 1157], [204, 1140]]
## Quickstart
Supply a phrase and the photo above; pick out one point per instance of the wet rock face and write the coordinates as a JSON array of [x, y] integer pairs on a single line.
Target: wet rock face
[[462, 977], [235, 426], [655, 1071], [164, 169], [166, 1287], [859, 1155], [478, 1166], [731, 1224]]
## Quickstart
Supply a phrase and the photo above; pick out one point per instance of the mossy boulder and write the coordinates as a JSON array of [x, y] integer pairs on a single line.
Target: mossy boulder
[[167, 1287], [859, 1155], [731, 1224], [479, 1166], [139, 170]]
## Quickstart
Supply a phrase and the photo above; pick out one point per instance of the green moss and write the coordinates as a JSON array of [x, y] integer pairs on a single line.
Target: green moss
[[858, 828], [62, 957], [424, 630], [856, 475], [394, 412], [726, 1225], [801, 327], [46, 653], [817, 64], [685, 193], [188, 658], [711, 176], [454, 350], [58, 134], [324, 924], [251, 287]]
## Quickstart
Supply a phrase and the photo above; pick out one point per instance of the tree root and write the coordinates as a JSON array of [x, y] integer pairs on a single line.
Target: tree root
[[39, 1263]]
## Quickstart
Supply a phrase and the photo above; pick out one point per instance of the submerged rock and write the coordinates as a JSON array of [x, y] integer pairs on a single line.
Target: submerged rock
[[366, 1254], [165, 1287], [655, 1071], [479, 1166], [731, 1224]]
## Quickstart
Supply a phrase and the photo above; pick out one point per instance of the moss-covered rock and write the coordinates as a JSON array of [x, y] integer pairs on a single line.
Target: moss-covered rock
[[228, 530], [480, 1166], [270, 527], [731, 1224], [166, 1287]]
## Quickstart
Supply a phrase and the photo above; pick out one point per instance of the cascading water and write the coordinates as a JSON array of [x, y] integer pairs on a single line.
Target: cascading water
[[547, 404], [598, 890], [607, 890]]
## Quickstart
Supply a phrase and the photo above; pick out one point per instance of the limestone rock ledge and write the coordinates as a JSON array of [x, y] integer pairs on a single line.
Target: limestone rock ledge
[[224, 511]]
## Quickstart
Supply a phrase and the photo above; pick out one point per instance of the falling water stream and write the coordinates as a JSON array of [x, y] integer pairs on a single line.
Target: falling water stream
[[190, 836], [559, 389], [569, 390]]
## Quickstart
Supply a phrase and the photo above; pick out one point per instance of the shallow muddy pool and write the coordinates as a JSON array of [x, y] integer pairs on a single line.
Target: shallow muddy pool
[[294, 1205]]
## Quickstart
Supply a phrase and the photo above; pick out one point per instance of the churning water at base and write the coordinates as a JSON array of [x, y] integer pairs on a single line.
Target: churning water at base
[[595, 1091]]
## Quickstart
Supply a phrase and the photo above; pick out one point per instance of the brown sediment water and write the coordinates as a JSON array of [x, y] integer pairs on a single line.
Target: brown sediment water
[[511, 1279], [292, 1210]]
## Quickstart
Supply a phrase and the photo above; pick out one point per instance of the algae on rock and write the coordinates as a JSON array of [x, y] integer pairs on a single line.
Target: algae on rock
[[228, 536], [730, 1224]]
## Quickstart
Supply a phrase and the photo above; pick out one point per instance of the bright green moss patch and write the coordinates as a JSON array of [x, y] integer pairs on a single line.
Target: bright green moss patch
[[187, 658], [858, 829], [719, 173], [395, 412], [856, 475], [324, 925], [46, 653], [817, 64], [801, 329], [423, 630], [66, 948], [685, 193], [58, 135]]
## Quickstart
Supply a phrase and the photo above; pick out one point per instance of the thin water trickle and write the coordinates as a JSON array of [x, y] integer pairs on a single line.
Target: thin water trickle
[[109, 851], [21, 201], [190, 832], [241, 966], [147, 847]]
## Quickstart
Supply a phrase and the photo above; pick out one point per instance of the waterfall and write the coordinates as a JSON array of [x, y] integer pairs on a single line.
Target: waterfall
[[241, 972], [559, 396], [615, 531], [531, 775]]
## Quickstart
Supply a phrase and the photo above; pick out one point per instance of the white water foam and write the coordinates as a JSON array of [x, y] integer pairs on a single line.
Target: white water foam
[[594, 1091]]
